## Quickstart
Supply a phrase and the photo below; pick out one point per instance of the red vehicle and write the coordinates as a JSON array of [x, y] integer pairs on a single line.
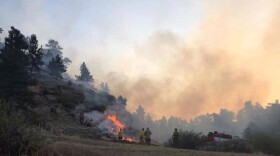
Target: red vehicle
[[218, 137]]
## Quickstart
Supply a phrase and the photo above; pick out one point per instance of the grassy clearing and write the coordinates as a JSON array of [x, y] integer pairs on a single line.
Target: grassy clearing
[[73, 146]]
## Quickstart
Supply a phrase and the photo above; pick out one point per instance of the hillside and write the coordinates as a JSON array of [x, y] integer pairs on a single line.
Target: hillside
[[51, 93]]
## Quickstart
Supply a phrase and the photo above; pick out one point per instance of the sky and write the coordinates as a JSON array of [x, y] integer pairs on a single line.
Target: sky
[[174, 57]]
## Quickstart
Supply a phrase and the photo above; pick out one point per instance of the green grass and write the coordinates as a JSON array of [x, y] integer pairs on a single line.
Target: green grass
[[72, 146]]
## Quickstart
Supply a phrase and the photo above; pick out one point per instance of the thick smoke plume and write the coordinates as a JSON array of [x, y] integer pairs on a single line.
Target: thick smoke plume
[[232, 57]]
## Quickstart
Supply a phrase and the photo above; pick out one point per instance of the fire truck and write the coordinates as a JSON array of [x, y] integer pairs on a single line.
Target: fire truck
[[218, 137]]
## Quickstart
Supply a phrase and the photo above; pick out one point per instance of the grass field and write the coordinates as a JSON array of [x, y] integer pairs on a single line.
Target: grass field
[[73, 146]]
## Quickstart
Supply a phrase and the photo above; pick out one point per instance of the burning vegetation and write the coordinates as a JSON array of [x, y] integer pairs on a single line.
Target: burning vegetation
[[116, 122]]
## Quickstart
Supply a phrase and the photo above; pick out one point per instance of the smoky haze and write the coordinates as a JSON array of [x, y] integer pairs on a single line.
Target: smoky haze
[[230, 58], [185, 81]]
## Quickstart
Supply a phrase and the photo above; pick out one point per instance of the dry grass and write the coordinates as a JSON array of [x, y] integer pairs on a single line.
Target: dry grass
[[73, 146]]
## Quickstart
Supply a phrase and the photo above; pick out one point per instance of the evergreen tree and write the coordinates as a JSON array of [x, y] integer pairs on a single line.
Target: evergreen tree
[[1, 44], [53, 44], [121, 100], [140, 114], [104, 88], [85, 74], [1, 30], [35, 54], [14, 61], [52, 49], [57, 67], [67, 61]]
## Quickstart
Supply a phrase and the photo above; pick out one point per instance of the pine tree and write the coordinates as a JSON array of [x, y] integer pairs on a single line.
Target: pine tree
[[1, 30], [104, 88], [1, 44], [121, 100], [53, 44], [140, 114], [67, 61], [35, 54], [14, 62], [57, 67], [52, 49], [85, 74]]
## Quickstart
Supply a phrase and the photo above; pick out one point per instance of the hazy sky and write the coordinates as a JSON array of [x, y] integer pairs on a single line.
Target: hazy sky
[[174, 57]]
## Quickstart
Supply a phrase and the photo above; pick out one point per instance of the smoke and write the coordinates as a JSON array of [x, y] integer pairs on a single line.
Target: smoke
[[170, 79], [230, 58]]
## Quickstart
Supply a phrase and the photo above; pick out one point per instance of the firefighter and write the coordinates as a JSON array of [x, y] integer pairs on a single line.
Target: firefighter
[[175, 138], [148, 134], [142, 136], [120, 135]]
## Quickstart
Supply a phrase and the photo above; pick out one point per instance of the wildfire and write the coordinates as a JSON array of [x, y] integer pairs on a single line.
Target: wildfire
[[129, 139], [119, 125], [115, 121]]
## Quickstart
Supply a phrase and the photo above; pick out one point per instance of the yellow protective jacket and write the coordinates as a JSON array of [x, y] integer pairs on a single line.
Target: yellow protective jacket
[[120, 134], [142, 134]]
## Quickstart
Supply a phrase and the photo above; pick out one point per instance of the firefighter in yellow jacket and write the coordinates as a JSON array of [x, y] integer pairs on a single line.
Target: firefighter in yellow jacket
[[148, 134], [120, 135], [142, 136]]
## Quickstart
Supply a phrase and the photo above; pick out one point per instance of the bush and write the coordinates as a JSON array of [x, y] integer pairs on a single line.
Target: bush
[[265, 143], [15, 136], [11, 125], [240, 146], [33, 138], [188, 140]]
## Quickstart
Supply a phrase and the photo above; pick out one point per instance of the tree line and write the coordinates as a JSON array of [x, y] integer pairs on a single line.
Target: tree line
[[249, 120], [21, 56]]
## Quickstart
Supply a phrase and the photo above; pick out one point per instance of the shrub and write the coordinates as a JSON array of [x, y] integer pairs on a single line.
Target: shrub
[[33, 138], [265, 143], [188, 140], [11, 125], [240, 146], [16, 136]]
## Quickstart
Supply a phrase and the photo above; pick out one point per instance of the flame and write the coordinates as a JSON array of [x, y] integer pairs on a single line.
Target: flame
[[119, 125], [129, 139], [115, 121]]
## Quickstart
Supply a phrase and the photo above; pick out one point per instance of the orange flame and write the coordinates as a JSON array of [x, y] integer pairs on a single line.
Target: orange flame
[[129, 139], [119, 125], [116, 122]]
